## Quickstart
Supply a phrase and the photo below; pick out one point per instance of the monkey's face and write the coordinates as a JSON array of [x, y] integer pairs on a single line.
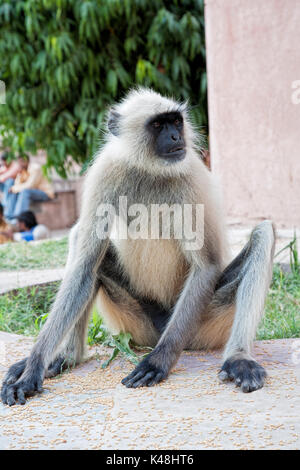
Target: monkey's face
[[152, 132], [167, 136]]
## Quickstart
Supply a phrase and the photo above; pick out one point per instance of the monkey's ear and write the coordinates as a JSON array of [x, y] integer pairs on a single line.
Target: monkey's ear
[[113, 122]]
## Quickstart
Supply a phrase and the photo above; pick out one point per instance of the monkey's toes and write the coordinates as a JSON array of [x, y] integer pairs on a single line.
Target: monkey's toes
[[56, 367], [144, 375], [19, 391], [246, 374], [13, 374]]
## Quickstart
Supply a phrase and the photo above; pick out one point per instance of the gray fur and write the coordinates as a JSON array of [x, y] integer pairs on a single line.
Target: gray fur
[[183, 285], [255, 275]]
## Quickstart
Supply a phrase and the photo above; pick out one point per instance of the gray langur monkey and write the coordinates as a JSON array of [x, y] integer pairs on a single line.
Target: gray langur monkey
[[164, 295]]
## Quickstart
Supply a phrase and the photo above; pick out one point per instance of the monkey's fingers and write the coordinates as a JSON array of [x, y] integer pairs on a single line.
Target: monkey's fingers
[[56, 367], [144, 375], [4, 393], [21, 390], [132, 376], [13, 374], [246, 374]]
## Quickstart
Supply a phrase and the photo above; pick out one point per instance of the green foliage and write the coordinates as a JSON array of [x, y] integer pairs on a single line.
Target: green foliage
[[65, 61], [98, 333]]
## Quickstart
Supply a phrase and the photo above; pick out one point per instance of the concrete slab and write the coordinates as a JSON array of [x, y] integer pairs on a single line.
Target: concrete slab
[[88, 408], [10, 280]]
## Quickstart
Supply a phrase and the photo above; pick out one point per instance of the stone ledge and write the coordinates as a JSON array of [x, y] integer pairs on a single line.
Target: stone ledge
[[10, 280]]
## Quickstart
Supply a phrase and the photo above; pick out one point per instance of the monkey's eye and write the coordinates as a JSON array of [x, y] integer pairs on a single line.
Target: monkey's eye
[[156, 124], [177, 122]]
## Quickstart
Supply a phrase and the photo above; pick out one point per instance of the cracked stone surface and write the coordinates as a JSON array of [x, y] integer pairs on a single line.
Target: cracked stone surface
[[88, 408]]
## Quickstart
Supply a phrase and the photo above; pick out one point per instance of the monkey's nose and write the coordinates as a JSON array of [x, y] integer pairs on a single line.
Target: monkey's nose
[[175, 137]]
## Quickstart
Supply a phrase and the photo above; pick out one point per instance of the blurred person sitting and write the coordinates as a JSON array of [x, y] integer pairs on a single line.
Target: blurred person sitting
[[4, 164], [28, 229], [5, 229], [8, 173], [34, 187]]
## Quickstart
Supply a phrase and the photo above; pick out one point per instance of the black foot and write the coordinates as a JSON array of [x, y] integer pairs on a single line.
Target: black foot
[[245, 373], [13, 374], [17, 386], [12, 387], [144, 375], [56, 367]]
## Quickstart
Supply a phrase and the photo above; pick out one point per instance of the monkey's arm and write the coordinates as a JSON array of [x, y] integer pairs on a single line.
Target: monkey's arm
[[196, 296], [76, 293]]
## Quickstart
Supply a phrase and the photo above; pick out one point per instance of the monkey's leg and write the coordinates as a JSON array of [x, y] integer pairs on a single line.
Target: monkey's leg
[[255, 275], [72, 352], [72, 349], [122, 313], [75, 297], [185, 319], [60, 362], [237, 308]]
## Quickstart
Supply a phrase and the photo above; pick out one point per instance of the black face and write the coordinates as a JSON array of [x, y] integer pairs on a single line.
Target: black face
[[168, 137]]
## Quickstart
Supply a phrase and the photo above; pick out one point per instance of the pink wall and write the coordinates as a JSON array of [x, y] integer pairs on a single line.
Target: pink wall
[[253, 57]]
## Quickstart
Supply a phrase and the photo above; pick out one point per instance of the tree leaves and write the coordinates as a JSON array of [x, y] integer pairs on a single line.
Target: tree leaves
[[65, 61]]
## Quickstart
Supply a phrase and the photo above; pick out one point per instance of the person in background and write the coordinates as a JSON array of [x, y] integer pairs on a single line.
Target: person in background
[[8, 173], [5, 229], [35, 188], [4, 165], [28, 229]]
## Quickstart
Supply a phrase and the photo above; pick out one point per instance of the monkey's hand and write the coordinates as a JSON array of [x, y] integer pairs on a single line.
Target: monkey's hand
[[13, 374], [245, 373], [19, 383], [145, 374]]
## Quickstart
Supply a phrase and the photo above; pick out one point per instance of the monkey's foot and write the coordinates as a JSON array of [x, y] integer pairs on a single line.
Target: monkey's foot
[[144, 375], [17, 386], [23, 388], [13, 374], [56, 367], [245, 373]]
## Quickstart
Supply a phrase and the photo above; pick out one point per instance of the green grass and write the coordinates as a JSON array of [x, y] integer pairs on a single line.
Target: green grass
[[23, 311], [282, 312], [23, 256]]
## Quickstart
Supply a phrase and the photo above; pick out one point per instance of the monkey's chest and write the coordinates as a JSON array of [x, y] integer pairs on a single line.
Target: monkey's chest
[[155, 268]]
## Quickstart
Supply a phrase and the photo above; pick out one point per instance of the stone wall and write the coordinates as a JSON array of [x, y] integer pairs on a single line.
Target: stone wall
[[253, 61]]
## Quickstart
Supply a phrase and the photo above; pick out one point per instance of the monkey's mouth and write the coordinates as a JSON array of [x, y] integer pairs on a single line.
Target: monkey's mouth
[[175, 154]]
